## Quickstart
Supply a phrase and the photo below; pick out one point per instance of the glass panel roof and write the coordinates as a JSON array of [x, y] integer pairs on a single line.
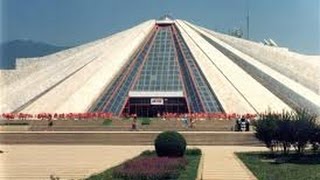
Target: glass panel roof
[[114, 96], [164, 65], [160, 71], [209, 100]]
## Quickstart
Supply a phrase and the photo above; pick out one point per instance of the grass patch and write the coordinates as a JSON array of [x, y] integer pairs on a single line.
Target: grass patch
[[189, 172], [192, 168], [265, 165], [107, 122], [15, 124], [145, 121]]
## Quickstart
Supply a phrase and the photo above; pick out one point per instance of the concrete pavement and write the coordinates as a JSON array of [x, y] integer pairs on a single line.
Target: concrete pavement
[[221, 163], [78, 161]]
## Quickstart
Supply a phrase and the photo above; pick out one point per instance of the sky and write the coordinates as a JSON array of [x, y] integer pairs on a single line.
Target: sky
[[291, 23]]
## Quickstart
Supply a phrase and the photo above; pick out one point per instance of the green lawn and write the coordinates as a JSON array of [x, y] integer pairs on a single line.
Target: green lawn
[[192, 168], [266, 166], [190, 173]]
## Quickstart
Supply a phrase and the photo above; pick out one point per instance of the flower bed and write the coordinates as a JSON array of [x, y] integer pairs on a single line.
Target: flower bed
[[148, 166], [151, 167]]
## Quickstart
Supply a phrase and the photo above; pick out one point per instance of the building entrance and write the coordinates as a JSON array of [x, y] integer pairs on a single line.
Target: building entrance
[[151, 107]]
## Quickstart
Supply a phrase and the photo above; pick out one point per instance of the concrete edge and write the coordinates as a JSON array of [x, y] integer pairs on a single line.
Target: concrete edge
[[120, 132], [200, 168], [95, 173], [248, 171]]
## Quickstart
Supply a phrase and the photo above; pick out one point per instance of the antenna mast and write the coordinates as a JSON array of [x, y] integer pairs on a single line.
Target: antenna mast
[[248, 21]]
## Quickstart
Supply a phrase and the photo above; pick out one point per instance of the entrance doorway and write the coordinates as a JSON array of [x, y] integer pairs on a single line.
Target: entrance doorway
[[151, 107]]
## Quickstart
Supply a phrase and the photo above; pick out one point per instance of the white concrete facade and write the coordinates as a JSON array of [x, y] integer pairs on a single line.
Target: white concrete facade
[[298, 88], [72, 80], [230, 99], [301, 68], [90, 70], [252, 91]]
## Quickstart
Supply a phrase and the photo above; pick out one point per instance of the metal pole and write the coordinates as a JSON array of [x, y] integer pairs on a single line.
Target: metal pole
[[248, 21]]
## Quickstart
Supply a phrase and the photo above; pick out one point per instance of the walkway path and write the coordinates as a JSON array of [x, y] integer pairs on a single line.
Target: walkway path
[[220, 163], [32, 162], [78, 161]]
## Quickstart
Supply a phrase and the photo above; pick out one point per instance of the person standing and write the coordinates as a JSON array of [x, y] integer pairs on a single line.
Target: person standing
[[191, 123], [247, 124], [50, 125], [238, 124], [243, 123], [185, 120], [134, 122]]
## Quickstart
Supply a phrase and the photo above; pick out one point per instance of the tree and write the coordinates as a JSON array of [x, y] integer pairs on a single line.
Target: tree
[[304, 125], [266, 129], [284, 130], [315, 138]]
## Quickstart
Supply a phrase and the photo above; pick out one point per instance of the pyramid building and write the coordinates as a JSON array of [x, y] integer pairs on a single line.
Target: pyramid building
[[163, 66]]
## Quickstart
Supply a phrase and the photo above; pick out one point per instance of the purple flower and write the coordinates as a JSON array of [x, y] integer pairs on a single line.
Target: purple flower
[[150, 168]]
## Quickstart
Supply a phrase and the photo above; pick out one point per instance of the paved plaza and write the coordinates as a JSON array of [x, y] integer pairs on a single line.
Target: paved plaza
[[79, 161]]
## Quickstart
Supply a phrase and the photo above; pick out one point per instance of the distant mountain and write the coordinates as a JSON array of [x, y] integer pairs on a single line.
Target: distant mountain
[[9, 51]]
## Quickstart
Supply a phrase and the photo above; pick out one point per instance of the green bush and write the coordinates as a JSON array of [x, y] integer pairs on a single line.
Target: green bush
[[266, 129], [304, 125], [287, 129], [170, 144], [147, 153], [107, 122], [193, 152], [145, 121], [16, 124], [315, 138]]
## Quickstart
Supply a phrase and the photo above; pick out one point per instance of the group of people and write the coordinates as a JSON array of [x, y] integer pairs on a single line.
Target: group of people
[[188, 121], [242, 124]]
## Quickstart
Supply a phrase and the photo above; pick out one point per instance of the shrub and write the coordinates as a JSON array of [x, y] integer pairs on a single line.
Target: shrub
[[284, 131], [304, 125], [287, 129], [155, 168], [107, 122], [147, 153], [315, 138], [145, 121], [16, 124], [266, 129], [193, 152], [170, 144]]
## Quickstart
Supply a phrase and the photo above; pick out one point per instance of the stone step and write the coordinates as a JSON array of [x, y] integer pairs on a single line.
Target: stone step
[[127, 138], [126, 128]]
